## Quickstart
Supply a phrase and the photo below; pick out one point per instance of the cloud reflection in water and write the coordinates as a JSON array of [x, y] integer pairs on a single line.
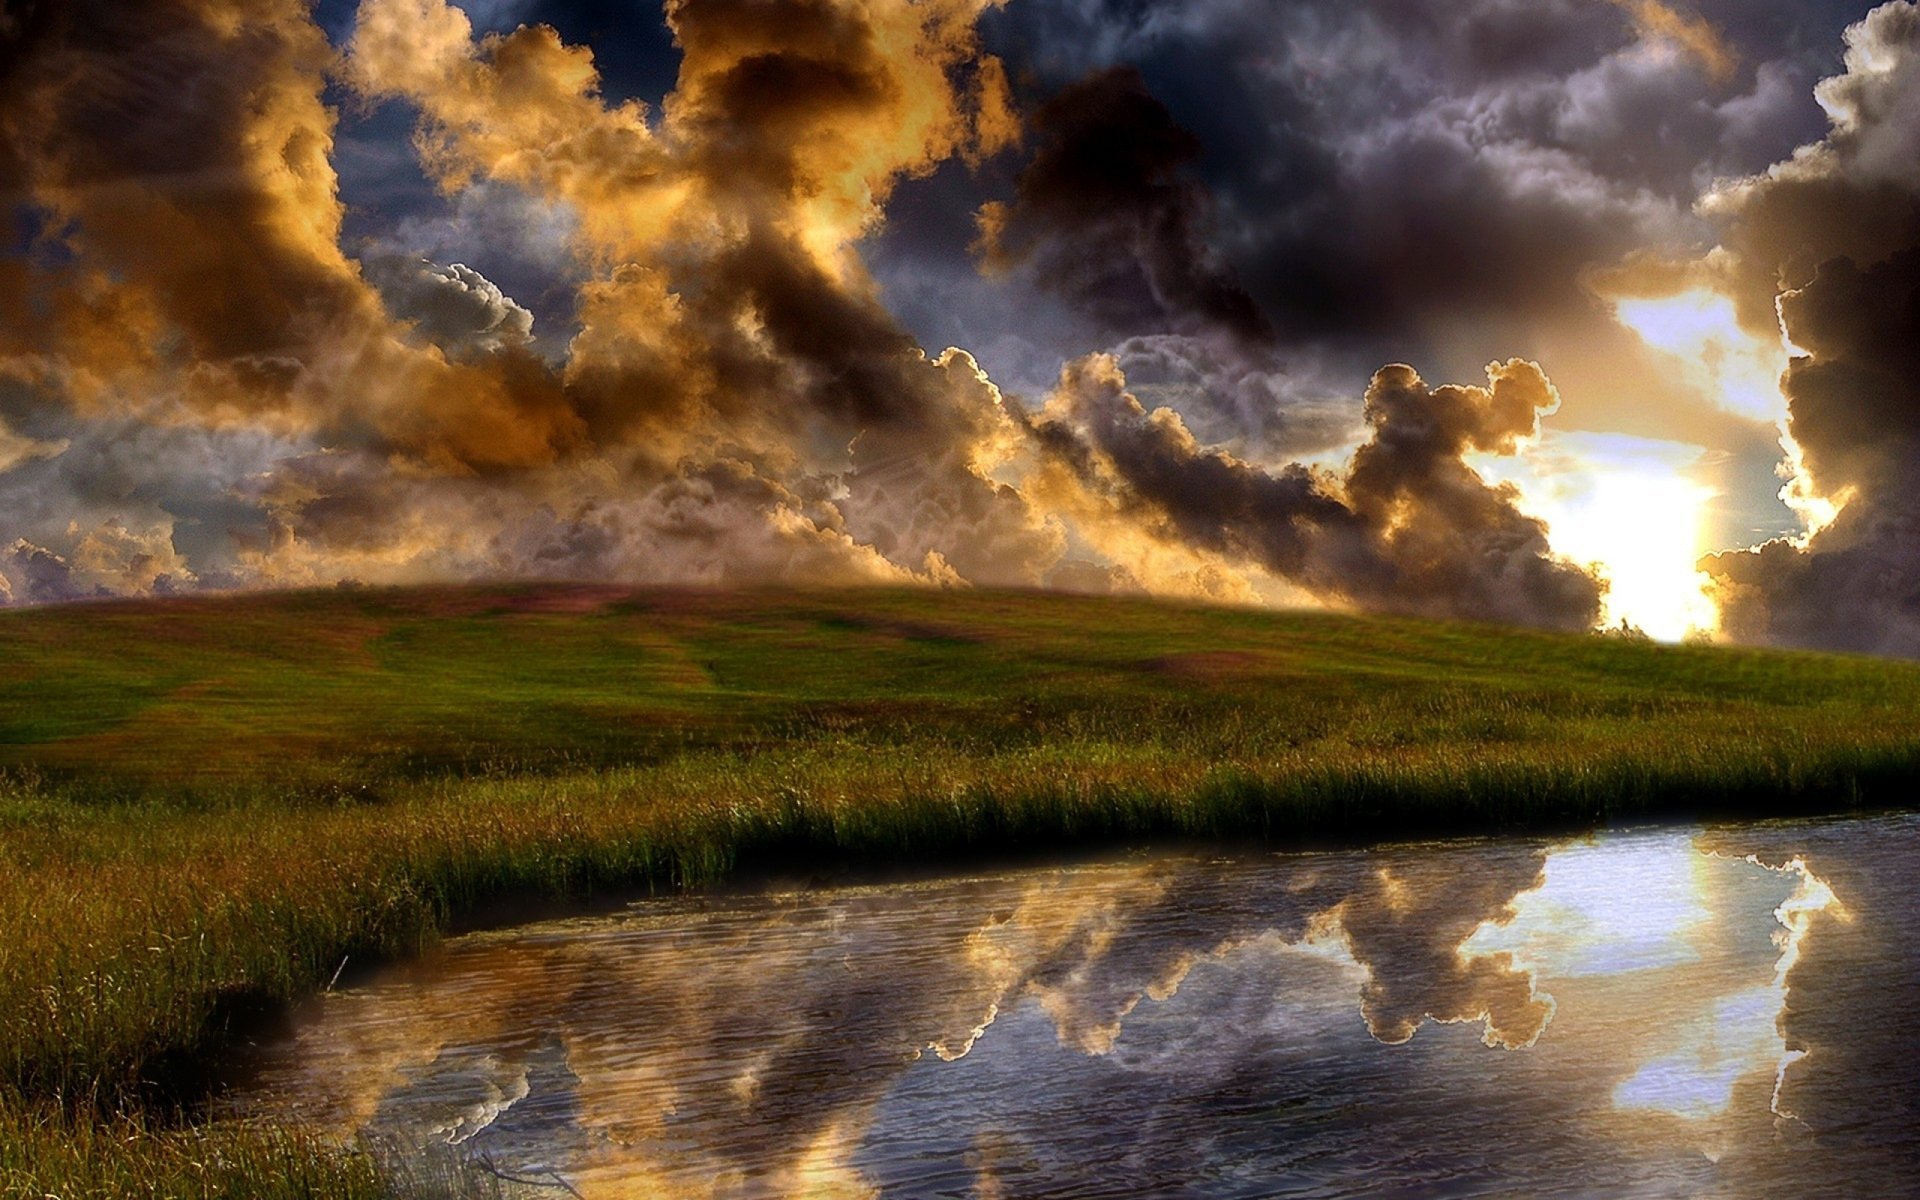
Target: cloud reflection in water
[[1176, 1024]]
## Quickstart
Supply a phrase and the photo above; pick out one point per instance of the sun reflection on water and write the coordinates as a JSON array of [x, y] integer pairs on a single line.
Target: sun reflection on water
[[1606, 908], [1739, 1035], [1651, 908]]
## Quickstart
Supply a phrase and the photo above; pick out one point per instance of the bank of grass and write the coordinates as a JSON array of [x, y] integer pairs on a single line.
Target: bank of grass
[[44, 1152], [205, 806]]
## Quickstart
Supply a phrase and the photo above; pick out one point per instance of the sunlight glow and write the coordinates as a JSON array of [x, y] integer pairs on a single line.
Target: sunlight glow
[[1697, 1081], [1698, 328], [1702, 337], [1647, 908], [1631, 507], [1604, 909]]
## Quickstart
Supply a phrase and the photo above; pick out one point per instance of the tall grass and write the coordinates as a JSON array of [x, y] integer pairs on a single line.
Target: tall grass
[[45, 1152], [166, 876]]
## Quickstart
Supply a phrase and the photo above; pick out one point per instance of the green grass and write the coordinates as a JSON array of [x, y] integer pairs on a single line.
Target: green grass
[[206, 804]]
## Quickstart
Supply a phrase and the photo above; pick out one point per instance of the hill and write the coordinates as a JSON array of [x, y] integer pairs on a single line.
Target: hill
[[341, 689]]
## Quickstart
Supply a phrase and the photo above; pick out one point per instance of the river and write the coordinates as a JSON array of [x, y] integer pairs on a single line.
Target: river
[[1729, 1011]]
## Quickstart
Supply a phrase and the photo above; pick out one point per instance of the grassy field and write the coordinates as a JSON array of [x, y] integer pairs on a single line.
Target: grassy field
[[207, 804]]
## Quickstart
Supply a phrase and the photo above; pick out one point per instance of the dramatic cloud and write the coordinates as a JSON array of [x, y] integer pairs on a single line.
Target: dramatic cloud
[[1839, 226], [1104, 214], [43, 575], [453, 307], [735, 402], [405, 290], [406, 395], [1409, 527], [190, 267], [1378, 169]]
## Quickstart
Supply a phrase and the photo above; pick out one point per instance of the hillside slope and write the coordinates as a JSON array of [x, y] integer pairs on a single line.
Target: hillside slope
[[325, 689]]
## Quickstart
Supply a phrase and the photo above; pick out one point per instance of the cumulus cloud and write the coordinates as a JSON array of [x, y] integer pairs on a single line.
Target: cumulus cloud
[[200, 386], [113, 559], [1378, 168], [1839, 225], [191, 268], [1408, 527], [43, 576], [1104, 213], [420, 432], [1431, 183], [453, 307], [1854, 398]]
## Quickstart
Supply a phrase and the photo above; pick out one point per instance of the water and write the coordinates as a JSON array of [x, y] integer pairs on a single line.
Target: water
[[1669, 1012]]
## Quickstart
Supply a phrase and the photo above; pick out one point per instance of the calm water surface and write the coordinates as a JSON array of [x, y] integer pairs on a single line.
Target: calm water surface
[[1671, 1012]]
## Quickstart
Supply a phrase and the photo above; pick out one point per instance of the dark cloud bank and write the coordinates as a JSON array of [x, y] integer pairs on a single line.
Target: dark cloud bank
[[239, 348], [1835, 234]]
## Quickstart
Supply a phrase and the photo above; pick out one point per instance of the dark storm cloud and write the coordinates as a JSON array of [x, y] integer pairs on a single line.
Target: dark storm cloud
[[1408, 527], [1422, 182], [1375, 170], [769, 343], [1855, 399], [38, 575], [1839, 226], [1853, 392], [1430, 182], [1104, 213], [769, 315], [1406, 182], [678, 348]]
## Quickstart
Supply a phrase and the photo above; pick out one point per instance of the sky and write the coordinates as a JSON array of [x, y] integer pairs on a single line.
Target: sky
[[1562, 313]]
